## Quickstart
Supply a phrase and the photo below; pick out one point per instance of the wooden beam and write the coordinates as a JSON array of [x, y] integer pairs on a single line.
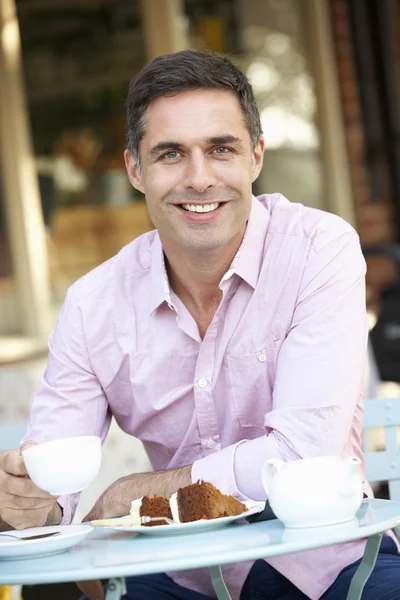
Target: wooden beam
[[163, 26], [334, 152], [20, 184]]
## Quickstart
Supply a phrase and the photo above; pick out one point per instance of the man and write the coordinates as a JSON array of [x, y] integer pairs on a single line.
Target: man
[[233, 333]]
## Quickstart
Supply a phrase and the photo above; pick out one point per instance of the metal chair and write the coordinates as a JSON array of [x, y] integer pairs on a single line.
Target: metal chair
[[384, 465]]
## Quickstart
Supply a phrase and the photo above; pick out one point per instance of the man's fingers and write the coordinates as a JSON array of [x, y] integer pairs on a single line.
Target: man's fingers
[[23, 503], [12, 462], [21, 519], [27, 445], [92, 589], [21, 486]]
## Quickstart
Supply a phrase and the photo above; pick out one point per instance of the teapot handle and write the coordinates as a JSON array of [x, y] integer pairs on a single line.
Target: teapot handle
[[268, 471]]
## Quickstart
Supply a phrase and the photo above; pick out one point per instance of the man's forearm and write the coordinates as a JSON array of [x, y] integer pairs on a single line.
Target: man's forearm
[[116, 500]]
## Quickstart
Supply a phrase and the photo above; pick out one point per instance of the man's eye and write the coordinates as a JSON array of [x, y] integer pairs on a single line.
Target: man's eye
[[221, 150], [171, 155]]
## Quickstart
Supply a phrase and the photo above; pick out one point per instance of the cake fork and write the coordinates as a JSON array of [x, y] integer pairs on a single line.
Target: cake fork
[[29, 537], [145, 520], [130, 521]]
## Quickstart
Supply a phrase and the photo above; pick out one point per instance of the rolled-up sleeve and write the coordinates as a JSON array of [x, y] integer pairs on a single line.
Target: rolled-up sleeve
[[69, 400], [319, 373]]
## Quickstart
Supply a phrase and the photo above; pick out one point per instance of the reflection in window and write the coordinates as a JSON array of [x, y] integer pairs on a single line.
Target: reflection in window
[[274, 57], [281, 128]]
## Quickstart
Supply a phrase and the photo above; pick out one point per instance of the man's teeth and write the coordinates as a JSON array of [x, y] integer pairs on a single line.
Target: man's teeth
[[201, 207]]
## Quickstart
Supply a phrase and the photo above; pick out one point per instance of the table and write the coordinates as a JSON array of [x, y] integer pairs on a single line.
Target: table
[[110, 554]]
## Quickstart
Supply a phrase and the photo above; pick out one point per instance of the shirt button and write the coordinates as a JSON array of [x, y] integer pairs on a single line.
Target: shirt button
[[262, 357], [211, 443], [202, 382]]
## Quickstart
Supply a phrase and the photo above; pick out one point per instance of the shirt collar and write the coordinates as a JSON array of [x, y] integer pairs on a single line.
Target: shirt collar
[[160, 290], [247, 262]]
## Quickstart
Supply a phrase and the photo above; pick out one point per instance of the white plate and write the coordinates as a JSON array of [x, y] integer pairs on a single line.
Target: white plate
[[69, 535], [193, 526]]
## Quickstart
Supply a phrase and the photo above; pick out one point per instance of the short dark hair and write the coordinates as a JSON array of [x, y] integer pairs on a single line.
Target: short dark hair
[[181, 71]]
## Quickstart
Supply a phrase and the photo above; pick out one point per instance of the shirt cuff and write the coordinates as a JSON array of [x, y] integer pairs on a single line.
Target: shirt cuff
[[218, 469], [248, 466], [237, 469], [68, 505]]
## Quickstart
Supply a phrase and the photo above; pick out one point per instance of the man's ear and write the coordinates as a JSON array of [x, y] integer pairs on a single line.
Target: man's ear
[[257, 159], [134, 171]]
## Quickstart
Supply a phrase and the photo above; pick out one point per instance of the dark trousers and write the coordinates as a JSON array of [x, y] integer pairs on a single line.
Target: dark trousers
[[265, 583]]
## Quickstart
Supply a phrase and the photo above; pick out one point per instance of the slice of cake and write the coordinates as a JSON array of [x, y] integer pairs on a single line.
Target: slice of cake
[[151, 506], [202, 500]]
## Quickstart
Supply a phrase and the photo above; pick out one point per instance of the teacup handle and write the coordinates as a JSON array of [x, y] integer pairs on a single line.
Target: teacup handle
[[268, 471]]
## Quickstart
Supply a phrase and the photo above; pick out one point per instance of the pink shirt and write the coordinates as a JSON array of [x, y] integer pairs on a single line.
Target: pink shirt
[[278, 373]]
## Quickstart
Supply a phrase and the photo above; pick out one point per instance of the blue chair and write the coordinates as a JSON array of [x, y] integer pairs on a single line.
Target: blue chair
[[384, 465], [10, 436]]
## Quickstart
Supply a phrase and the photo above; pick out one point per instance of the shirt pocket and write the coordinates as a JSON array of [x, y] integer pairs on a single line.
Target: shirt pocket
[[251, 379]]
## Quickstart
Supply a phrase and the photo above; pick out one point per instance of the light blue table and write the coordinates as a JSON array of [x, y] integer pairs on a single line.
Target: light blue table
[[109, 554]]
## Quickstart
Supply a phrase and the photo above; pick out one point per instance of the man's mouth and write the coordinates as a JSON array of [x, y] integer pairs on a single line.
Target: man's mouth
[[201, 208]]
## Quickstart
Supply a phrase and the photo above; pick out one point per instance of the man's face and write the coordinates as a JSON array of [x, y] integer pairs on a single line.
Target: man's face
[[197, 167]]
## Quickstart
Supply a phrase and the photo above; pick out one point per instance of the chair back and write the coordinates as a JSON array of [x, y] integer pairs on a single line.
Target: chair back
[[384, 465], [10, 436]]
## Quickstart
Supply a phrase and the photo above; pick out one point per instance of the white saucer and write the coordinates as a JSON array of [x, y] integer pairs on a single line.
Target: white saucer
[[69, 535]]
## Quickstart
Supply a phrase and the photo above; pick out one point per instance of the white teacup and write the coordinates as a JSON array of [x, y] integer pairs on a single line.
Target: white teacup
[[64, 466]]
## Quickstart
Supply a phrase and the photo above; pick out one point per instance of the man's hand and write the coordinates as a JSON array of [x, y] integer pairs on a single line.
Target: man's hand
[[22, 503], [116, 502], [92, 589]]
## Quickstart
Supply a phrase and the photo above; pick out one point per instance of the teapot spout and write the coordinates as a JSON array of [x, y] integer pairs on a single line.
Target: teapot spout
[[351, 476]]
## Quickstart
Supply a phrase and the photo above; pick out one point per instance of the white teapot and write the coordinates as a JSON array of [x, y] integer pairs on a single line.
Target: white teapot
[[313, 492]]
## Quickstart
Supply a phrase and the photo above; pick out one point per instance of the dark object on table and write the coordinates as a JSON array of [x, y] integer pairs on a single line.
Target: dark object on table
[[266, 515]]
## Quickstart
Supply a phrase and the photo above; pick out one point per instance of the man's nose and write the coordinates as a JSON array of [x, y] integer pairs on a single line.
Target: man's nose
[[199, 173]]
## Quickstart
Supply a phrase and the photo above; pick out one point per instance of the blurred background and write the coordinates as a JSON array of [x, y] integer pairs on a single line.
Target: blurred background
[[326, 74]]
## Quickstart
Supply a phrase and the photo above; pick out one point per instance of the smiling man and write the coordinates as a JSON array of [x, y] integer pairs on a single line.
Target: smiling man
[[234, 332], [196, 165]]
